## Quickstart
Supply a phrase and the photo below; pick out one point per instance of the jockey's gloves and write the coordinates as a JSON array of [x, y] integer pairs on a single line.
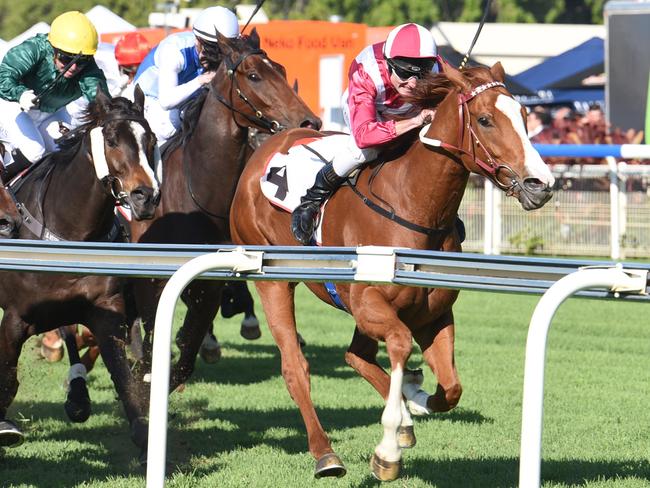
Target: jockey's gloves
[[26, 100]]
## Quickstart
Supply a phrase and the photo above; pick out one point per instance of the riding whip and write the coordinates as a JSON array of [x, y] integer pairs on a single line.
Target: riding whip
[[478, 32], [50, 85], [257, 8]]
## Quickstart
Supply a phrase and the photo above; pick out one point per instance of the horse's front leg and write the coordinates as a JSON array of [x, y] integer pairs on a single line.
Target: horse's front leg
[[202, 300], [107, 322], [437, 344], [143, 305], [362, 356], [278, 302], [376, 317], [13, 334]]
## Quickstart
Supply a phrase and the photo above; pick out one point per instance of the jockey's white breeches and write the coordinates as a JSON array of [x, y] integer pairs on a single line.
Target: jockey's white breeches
[[164, 123], [34, 132], [346, 155]]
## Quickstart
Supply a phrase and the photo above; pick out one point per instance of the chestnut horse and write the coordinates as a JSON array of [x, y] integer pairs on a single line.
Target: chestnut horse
[[248, 94], [71, 195], [482, 131]]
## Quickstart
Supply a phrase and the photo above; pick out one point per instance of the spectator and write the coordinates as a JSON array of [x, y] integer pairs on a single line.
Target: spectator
[[538, 125]]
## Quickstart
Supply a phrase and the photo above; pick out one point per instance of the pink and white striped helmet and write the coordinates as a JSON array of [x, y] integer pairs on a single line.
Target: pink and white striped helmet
[[410, 41]]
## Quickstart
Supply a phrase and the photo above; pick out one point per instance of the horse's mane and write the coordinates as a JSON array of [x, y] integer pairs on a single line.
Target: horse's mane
[[431, 90], [191, 109]]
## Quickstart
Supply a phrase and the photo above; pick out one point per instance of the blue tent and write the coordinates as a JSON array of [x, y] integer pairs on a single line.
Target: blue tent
[[566, 70], [583, 96]]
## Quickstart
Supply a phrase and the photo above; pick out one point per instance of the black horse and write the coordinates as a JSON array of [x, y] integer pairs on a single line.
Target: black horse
[[71, 195], [249, 94]]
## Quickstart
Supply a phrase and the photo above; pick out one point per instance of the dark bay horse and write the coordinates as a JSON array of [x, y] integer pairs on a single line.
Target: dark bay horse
[[482, 131], [200, 174], [10, 219], [71, 195]]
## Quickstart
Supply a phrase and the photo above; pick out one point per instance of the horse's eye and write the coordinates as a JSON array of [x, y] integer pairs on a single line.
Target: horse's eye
[[254, 77], [484, 120]]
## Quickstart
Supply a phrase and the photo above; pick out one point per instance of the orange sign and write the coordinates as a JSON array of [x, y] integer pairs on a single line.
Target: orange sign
[[299, 47]]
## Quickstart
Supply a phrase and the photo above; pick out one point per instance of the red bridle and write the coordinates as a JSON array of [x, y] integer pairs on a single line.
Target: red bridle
[[491, 167]]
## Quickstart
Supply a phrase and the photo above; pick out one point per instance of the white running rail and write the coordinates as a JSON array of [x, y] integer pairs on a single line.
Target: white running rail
[[615, 279], [237, 261]]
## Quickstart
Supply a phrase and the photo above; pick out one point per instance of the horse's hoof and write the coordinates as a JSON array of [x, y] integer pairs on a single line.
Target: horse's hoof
[[10, 436], [329, 465], [210, 350], [384, 470], [406, 436], [250, 328], [139, 432], [77, 404], [52, 352], [142, 458]]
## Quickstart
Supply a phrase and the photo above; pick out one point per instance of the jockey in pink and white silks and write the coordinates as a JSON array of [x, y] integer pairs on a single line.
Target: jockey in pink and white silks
[[174, 70], [377, 80]]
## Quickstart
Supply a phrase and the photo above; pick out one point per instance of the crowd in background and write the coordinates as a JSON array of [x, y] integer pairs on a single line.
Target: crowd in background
[[563, 125]]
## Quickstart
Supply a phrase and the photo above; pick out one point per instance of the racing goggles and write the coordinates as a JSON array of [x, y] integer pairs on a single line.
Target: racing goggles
[[406, 69], [66, 59]]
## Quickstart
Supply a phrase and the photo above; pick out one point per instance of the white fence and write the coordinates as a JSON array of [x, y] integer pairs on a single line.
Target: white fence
[[599, 210]]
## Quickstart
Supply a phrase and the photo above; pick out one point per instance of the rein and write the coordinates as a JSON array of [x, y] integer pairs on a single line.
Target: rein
[[260, 119], [491, 167], [188, 176]]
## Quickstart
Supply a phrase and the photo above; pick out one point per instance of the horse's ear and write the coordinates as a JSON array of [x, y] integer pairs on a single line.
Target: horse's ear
[[225, 46], [457, 78], [254, 38], [498, 72], [138, 98], [102, 100]]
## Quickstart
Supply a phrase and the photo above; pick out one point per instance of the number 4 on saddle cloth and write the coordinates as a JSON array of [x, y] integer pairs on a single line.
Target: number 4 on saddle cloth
[[287, 176]]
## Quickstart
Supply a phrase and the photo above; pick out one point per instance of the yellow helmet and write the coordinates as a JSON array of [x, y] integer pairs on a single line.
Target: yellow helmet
[[72, 32]]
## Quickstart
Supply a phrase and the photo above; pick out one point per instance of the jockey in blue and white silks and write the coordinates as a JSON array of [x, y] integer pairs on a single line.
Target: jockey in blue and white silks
[[173, 71]]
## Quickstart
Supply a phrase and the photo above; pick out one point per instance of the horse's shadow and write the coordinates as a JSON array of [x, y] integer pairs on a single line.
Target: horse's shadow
[[254, 362], [194, 429], [504, 472]]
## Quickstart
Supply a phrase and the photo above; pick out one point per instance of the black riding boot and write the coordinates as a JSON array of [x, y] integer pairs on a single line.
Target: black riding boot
[[303, 218], [20, 163]]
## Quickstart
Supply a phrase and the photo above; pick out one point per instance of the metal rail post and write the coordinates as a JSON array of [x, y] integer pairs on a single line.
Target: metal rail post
[[615, 279], [237, 261]]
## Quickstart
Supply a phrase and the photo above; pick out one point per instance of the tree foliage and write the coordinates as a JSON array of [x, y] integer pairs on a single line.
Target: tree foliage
[[17, 16]]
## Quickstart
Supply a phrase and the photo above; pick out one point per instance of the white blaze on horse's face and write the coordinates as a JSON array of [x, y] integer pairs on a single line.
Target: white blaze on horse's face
[[533, 162], [139, 132]]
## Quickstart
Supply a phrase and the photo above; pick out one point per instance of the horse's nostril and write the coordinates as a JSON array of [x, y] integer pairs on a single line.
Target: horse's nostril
[[141, 195], [311, 124], [534, 185]]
